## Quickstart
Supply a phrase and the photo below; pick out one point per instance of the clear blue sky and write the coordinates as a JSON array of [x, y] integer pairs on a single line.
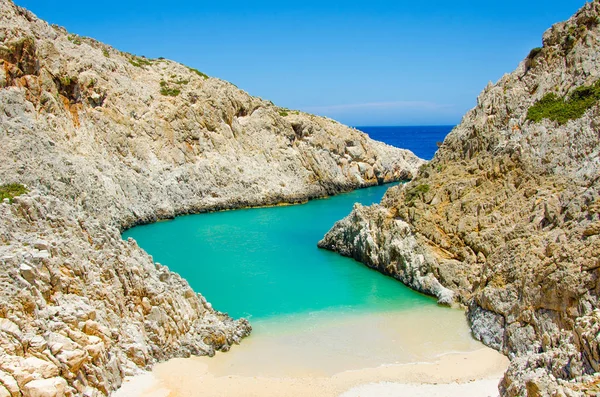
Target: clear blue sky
[[366, 62]]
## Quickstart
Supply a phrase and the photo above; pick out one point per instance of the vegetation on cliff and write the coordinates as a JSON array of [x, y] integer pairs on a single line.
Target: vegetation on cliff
[[561, 110], [12, 190]]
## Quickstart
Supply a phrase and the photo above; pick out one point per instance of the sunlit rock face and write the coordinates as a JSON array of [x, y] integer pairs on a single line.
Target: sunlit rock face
[[104, 140], [505, 219]]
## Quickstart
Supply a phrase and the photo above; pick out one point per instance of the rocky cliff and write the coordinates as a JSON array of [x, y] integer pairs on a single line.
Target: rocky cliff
[[104, 140], [505, 220]]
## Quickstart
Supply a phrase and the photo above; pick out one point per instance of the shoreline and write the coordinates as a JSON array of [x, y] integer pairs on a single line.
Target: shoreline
[[330, 356], [226, 206], [454, 374]]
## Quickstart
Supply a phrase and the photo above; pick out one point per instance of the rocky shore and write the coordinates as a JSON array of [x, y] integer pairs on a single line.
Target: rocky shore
[[505, 219], [103, 140]]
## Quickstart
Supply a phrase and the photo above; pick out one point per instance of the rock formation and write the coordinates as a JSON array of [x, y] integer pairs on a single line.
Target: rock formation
[[505, 219], [104, 140]]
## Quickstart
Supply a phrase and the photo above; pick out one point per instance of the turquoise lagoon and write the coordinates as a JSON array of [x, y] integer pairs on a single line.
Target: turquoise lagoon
[[312, 311], [264, 262]]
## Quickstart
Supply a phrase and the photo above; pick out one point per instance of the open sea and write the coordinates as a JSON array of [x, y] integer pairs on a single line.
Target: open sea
[[421, 140]]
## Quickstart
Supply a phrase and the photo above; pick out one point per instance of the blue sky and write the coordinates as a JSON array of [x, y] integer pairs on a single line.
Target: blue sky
[[360, 62]]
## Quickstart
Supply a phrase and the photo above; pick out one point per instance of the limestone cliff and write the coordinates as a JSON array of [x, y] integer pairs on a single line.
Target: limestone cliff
[[505, 219], [104, 140]]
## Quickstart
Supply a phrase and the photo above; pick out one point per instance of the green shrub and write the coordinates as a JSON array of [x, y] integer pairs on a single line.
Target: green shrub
[[283, 113], [74, 39], [199, 73], [561, 110], [12, 190], [105, 53], [166, 90], [416, 191], [535, 52], [140, 62]]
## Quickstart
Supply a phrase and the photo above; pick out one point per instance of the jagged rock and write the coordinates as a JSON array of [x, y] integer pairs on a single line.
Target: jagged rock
[[506, 216], [106, 140], [358, 236]]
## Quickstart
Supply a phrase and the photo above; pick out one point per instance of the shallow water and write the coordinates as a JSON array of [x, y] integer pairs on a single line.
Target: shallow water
[[313, 312], [327, 343]]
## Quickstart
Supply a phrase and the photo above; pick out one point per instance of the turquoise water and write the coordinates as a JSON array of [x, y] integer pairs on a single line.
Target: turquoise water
[[264, 262]]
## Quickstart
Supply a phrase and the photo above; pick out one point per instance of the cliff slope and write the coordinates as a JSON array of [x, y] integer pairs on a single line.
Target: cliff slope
[[104, 140], [505, 220]]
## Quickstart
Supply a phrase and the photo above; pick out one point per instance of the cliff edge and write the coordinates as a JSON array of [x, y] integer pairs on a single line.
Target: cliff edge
[[93, 141], [505, 220]]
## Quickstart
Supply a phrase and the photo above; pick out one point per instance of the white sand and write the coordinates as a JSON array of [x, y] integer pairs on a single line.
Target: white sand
[[454, 375], [480, 388], [325, 344], [384, 354]]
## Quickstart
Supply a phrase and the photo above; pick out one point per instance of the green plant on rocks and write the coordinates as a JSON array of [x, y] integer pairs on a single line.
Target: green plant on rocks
[[12, 190], [560, 109], [416, 191], [166, 90], [140, 62], [199, 73], [74, 39]]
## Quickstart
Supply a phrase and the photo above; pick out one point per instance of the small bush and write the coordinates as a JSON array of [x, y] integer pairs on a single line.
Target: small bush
[[531, 62], [74, 39], [105, 53], [12, 190], [283, 113], [416, 191], [535, 52], [168, 91], [561, 110], [140, 62], [199, 73]]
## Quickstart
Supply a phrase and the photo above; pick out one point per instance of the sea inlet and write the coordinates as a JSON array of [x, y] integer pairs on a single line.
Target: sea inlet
[[314, 312]]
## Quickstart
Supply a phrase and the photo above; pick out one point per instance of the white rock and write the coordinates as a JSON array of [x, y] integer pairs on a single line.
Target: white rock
[[41, 245], [53, 387]]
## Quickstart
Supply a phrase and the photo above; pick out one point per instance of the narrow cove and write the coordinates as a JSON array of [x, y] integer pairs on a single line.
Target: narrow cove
[[314, 313]]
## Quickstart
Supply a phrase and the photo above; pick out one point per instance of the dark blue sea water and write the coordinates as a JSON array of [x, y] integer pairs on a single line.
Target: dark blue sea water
[[421, 140]]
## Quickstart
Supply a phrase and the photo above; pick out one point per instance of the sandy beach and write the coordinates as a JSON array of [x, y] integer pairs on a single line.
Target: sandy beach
[[455, 375], [382, 354]]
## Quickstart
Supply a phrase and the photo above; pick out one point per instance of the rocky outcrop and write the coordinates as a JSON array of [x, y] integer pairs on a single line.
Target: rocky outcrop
[[154, 138], [105, 140], [80, 308], [506, 216]]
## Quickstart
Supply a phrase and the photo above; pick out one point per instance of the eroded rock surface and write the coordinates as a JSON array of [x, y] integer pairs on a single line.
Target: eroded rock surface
[[506, 217], [105, 140]]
